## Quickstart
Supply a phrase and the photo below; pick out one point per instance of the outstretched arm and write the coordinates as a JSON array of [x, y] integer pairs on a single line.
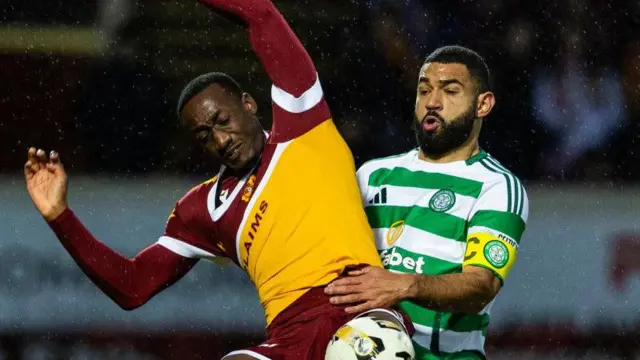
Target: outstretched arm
[[129, 282], [296, 92]]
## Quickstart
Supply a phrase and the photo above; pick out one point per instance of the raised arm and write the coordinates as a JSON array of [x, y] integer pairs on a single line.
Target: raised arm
[[129, 282], [285, 59], [296, 91]]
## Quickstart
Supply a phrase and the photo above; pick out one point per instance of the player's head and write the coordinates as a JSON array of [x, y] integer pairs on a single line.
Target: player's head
[[453, 96], [222, 118]]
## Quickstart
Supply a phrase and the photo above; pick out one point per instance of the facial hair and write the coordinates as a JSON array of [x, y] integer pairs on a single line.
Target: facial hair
[[449, 136]]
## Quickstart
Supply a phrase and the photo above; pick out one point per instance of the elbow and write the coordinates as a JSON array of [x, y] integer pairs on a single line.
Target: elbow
[[129, 306], [483, 288], [480, 299], [477, 305]]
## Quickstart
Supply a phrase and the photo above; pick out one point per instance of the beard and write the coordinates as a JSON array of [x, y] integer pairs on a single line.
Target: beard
[[449, 136]]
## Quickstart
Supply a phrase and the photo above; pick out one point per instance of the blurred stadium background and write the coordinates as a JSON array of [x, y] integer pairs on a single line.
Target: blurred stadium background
[[98, 81]]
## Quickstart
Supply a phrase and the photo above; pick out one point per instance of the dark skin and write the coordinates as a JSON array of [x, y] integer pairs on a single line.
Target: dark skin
[[224, 123], [226, 126]]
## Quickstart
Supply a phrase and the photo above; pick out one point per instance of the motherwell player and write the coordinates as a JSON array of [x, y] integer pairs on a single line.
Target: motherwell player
[[285, 206]]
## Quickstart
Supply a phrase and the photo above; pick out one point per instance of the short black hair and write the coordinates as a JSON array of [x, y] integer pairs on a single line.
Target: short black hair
[[197, 85], [472, 60]]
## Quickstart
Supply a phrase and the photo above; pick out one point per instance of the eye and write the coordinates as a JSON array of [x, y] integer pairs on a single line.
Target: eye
[[423, 91], [223, 120], [202, 135], [451, 91]]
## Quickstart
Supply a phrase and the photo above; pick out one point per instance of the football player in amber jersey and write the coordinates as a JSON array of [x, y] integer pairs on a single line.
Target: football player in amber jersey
[[285, 206]]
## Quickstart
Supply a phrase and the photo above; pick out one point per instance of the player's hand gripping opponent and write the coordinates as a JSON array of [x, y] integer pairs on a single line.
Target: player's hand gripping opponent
[[46, 183], [368, 288]]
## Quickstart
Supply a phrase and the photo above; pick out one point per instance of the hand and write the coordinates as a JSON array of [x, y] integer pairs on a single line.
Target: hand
[[46, 183], [370, 287]]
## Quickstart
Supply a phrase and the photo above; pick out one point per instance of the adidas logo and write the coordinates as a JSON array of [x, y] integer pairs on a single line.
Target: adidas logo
[[380, 198]]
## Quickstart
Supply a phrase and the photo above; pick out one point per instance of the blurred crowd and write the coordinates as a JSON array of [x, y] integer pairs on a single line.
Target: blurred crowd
[[566, 76]]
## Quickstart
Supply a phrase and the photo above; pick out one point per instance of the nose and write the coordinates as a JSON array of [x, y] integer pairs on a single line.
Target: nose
[[434, 101], [222, 141]]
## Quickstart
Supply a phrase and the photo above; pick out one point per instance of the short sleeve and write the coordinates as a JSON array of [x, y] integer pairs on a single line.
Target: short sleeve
[[501, 210], [498, 220]]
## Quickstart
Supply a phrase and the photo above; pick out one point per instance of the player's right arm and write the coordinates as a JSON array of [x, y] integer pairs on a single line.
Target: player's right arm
[[298, 99], [128, 282]]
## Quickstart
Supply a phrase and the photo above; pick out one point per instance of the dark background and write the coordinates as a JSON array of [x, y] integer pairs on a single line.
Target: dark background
[[98, 81]]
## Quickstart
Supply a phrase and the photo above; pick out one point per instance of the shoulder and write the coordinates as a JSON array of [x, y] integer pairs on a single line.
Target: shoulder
[[294, 116], [500, 186], [195, 200], [387, 163]]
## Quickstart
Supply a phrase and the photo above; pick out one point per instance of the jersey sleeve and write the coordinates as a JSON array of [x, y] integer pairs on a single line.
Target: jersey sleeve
[[497, 223], [298, 100], [182, 235], [362, 175]]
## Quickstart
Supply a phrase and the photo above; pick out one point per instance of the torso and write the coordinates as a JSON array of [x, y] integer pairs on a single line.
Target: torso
[[294, 222]]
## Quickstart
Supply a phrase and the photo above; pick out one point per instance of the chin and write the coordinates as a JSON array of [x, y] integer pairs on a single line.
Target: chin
[[241, 163], [236, 165]]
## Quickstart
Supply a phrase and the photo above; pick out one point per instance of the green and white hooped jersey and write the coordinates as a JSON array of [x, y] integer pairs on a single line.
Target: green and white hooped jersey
[[430, 219]]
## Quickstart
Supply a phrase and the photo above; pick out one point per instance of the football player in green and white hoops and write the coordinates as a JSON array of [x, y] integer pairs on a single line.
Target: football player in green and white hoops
[[447, 217]]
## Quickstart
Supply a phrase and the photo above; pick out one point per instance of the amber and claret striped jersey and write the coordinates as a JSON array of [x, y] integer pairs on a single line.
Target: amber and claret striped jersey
[[295, 221]]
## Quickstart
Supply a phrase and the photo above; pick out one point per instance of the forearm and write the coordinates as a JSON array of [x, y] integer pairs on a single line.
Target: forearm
[[129, 282], [463, 292], [282, 54]]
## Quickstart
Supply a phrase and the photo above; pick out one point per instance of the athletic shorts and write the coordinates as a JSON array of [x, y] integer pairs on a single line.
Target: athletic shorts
[[303, 330]]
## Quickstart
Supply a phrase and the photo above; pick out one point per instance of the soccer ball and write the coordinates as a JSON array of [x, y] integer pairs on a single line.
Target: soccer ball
[[366, 338]]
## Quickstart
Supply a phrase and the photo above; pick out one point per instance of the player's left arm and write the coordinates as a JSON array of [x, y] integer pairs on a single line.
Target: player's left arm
[[496, 226], [497, 223], [298, 100]]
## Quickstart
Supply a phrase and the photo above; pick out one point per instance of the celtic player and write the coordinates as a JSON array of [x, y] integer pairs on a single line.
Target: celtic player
[[447, 216]]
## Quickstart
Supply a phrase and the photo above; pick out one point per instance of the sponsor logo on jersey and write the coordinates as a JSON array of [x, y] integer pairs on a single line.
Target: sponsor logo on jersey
[[380, 197], [254, 227], [224, 194], [442, 201], [496, 254], [392, 258], [248, 189], [395, 232]]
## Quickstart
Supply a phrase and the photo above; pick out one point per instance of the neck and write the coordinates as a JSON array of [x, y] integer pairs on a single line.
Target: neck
[[239, 173], [462, 153]]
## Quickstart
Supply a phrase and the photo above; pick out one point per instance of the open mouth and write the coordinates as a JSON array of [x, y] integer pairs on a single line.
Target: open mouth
[[430, 123]]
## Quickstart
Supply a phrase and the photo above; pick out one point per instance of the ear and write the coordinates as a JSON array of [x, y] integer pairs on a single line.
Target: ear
[[486, 101], [249, 104]]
